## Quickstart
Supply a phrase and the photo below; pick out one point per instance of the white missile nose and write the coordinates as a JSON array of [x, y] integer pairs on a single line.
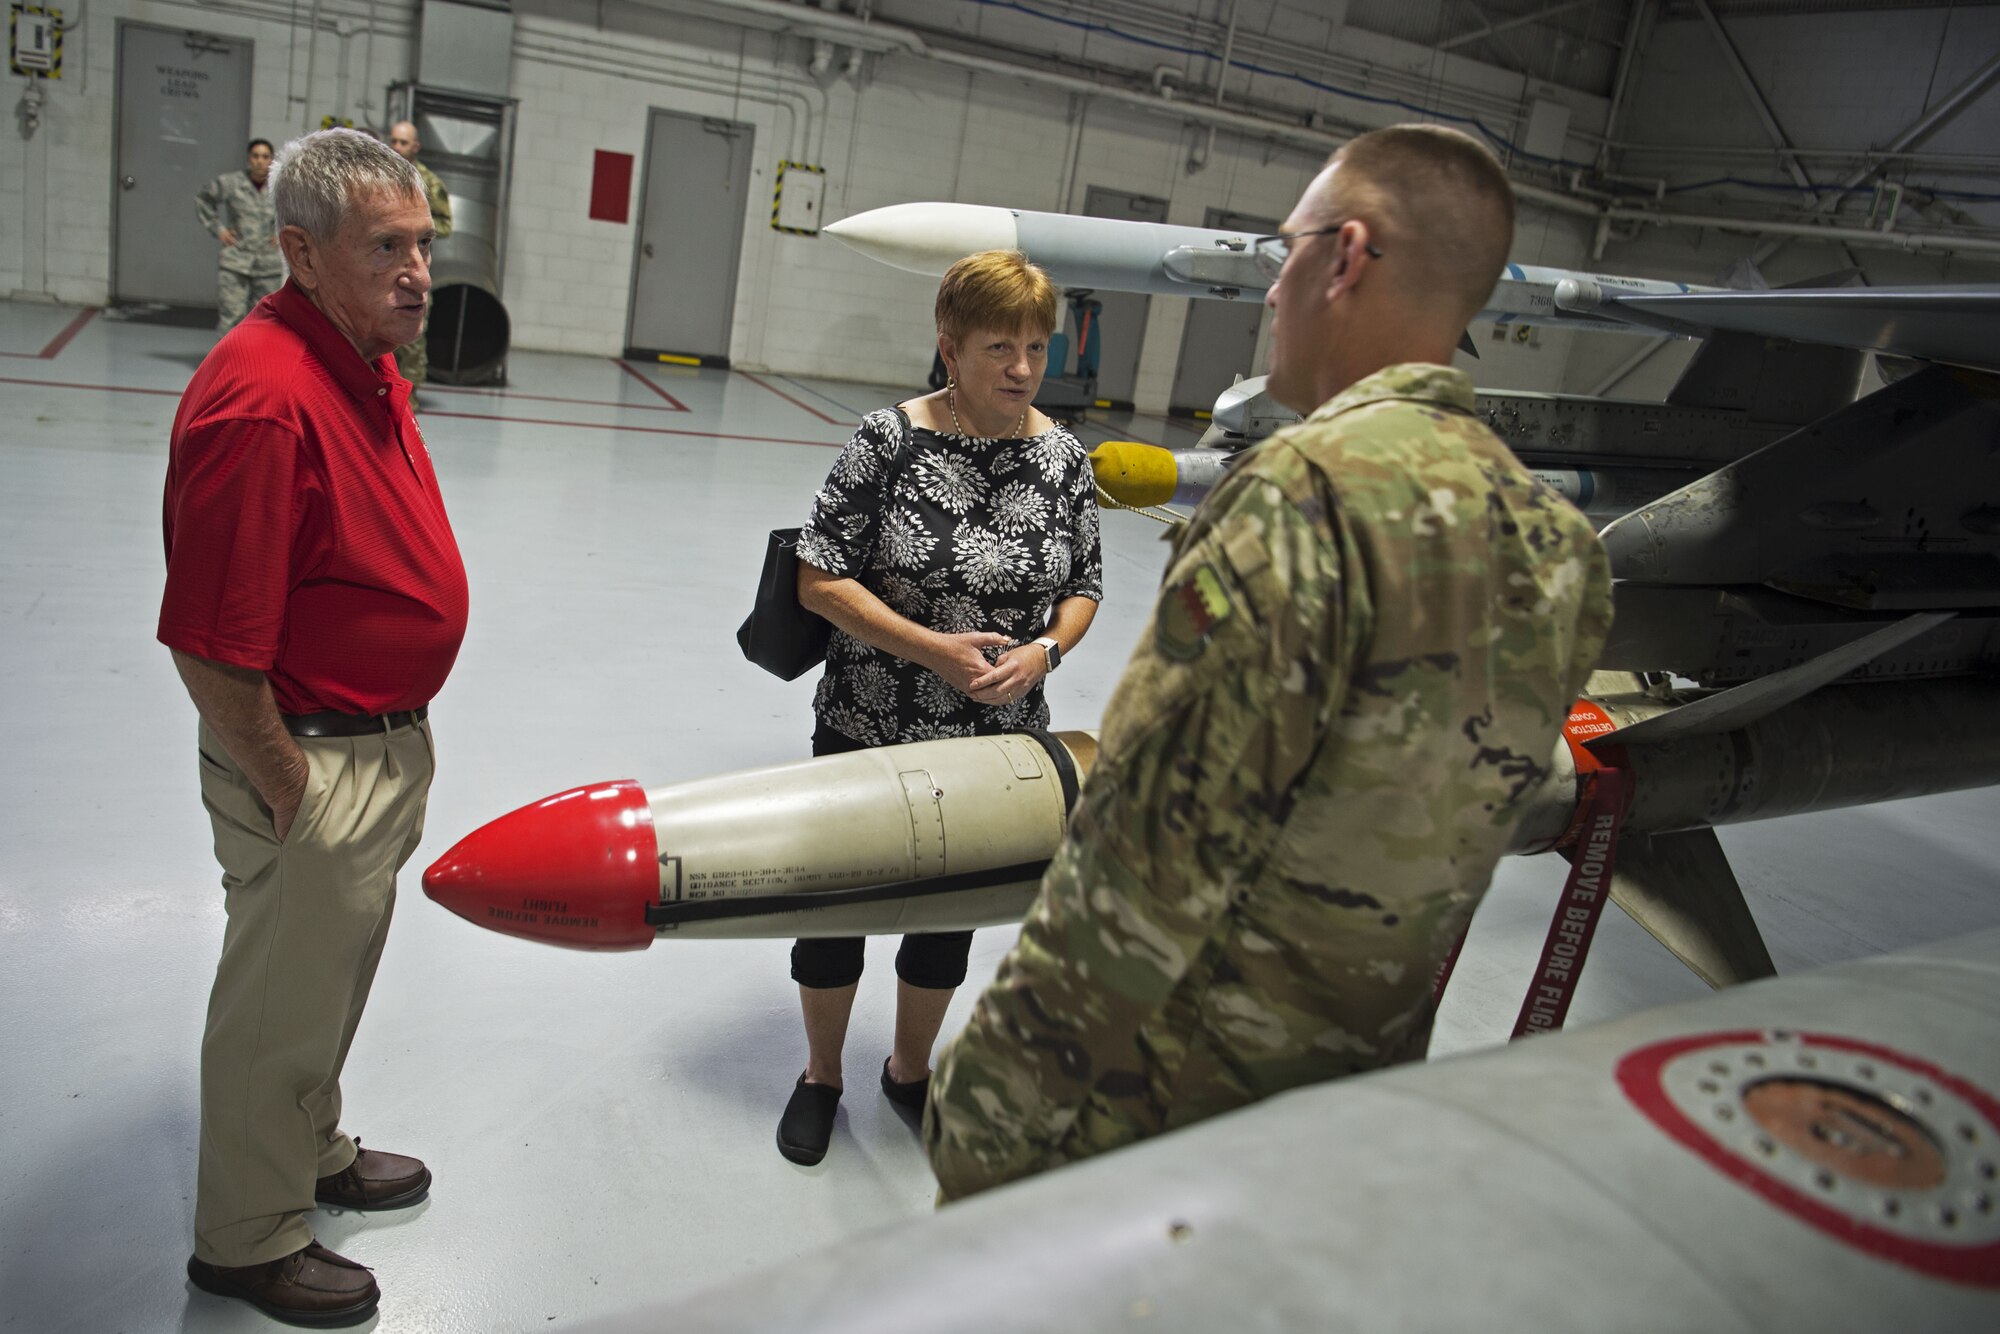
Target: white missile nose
[[928, 237]]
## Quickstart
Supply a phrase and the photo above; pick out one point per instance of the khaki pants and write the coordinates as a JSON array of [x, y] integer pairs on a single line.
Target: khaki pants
[[307, 920]]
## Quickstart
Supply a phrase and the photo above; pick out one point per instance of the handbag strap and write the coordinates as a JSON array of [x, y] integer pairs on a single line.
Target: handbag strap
[[899, 463], [901, 458]]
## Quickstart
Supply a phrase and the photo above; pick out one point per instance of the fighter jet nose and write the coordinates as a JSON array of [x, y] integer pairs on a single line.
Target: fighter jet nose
[[574, 869]]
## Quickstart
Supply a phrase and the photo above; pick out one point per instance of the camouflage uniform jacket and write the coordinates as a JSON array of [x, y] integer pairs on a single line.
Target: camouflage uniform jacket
[[1364, 648], [232, 201], [439, 197]]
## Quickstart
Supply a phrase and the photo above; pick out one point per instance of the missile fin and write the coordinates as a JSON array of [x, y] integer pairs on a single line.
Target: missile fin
[[1680, 888], [1742, 705]]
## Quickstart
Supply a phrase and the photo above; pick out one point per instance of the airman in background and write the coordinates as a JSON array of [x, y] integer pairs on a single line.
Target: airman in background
[[414, 360], [235, 208]]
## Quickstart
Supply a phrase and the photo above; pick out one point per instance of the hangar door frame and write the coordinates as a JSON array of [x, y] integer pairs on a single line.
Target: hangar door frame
[[152, 259], [692, 317], [1124, 314]]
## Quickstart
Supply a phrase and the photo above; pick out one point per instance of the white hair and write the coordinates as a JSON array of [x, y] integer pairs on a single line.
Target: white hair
[[316, 178]]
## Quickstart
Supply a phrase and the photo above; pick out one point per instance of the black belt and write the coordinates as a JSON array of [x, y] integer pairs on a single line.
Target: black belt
[[331, 722]]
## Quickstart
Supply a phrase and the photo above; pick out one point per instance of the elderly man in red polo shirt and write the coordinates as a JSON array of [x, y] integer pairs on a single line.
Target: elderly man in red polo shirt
[[314, 604]]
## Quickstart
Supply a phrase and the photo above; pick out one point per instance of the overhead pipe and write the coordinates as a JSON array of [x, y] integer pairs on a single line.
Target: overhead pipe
[[891, 38], [312, 59], [1228, 50], [865, 34], [882, 37], [791, 102], [1862, 237], [776, 90]]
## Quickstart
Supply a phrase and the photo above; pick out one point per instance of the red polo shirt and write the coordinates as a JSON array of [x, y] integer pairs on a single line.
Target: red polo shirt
[[306, 538]]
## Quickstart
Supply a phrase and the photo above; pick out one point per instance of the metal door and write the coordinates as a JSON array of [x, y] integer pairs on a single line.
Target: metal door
[[1124, 318], [690, 236], [183, 119], [1219, 341]]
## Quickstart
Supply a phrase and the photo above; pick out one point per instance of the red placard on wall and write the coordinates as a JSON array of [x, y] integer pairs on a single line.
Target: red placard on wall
[[611, 187]]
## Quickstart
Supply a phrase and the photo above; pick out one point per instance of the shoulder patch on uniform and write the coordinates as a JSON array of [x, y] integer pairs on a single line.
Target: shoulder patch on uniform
[[1189, 613]]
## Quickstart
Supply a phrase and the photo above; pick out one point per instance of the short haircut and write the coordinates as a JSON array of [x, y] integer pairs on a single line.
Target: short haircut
[[255, 144], [1439, 204], [316, 179], [995, 289]]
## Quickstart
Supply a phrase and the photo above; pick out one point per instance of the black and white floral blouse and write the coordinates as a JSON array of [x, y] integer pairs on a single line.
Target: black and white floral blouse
[[958, 535]]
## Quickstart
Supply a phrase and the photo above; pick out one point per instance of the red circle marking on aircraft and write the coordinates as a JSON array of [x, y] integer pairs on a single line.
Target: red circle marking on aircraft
[[1639, 1075]]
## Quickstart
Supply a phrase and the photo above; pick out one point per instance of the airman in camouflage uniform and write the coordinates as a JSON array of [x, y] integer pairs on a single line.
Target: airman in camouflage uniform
[[235, 208], [413, 360], [1364, 648]]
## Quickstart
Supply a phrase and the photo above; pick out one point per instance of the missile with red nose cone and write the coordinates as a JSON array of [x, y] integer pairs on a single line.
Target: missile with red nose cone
[[1119, 255], [944, 835], [929, 836]]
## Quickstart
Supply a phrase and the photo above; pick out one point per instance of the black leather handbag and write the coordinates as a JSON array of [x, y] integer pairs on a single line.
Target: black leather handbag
[[779, 635]]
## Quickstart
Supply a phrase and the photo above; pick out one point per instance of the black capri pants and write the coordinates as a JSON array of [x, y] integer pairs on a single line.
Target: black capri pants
[[934, 960]]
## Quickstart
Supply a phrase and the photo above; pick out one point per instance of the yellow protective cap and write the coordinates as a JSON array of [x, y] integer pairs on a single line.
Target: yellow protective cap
[[1134, 473]]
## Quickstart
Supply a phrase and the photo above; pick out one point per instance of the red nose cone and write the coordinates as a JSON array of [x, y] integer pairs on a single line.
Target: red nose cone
[[575, 869]]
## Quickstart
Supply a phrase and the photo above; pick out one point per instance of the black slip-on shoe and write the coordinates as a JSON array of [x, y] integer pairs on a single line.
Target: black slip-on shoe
[[910, 1095], [806, 1128]]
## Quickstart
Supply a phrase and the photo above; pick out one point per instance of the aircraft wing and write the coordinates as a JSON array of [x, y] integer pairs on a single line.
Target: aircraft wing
[[1949, 324]]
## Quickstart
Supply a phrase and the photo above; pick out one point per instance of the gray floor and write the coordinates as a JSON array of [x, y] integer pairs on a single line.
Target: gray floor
[[600, 1126]]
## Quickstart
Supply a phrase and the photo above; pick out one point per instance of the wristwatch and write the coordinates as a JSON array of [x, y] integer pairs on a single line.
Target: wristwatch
[[1052, 650]]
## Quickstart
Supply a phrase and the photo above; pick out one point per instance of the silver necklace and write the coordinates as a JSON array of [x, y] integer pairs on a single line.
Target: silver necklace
[[950, 393]]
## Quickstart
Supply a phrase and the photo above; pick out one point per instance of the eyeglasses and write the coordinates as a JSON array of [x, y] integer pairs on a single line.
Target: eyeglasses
[[1273, 251]]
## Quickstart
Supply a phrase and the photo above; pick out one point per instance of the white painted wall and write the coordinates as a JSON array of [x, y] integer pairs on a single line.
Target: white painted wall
[[60, 179]]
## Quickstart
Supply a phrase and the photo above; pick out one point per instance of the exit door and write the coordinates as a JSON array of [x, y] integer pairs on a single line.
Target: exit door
[[690, 237], [1219, 341], [183, 120], [1123, 322]]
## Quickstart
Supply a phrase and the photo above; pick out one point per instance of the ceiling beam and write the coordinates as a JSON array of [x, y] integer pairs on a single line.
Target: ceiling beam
[[1953, 102], [1490, 28], [1758, 103]]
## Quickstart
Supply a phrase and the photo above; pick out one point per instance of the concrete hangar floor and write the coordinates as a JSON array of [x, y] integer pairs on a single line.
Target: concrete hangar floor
[[600, 1126]]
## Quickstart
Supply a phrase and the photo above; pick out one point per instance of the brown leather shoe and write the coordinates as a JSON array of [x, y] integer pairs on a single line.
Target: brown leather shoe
[[375, 1180], [308, 1287]]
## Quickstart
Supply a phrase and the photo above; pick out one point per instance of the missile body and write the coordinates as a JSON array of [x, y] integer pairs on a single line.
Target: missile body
[[1607, 458], [1847, 745], [1110, 254], [1115, 255], [1134, 473], [930, 836], [1607, 493], [942, 835]]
